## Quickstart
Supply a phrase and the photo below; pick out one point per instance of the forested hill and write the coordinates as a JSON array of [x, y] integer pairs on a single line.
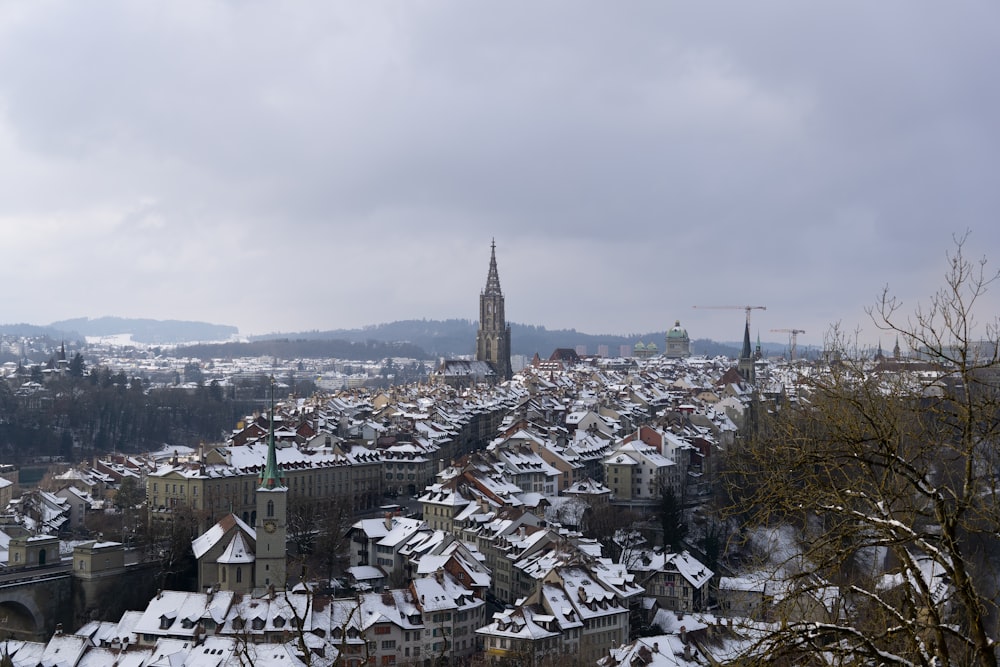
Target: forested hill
[[298, 347], [148, 331], [444, 338]]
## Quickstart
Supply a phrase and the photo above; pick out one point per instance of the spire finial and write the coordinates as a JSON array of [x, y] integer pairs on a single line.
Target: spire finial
[[493, 277]]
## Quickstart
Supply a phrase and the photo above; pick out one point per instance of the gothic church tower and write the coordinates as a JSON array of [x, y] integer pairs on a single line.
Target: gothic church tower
[[746, 365], [272, 511], [493, 339]]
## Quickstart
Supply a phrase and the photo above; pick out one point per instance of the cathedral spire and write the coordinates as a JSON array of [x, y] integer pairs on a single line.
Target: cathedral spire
[[493, 278], [493, 337], [270, 477], [746, 365]]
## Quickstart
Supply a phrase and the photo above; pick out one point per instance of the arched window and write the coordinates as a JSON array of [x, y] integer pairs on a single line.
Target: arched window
[[239, 575], [270, 508], [223, 575]]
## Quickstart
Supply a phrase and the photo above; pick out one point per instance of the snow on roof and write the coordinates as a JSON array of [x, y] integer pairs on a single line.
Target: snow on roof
[[689, 567], [366, 573], [64, 650], [174, 613], [402, 529], [522, 623], [204, 542], [432, 595], [237, 551], [125, 628]]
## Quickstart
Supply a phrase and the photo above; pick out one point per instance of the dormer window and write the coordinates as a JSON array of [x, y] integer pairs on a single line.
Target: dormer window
[[258, 623], [279, 622], [165, 622]]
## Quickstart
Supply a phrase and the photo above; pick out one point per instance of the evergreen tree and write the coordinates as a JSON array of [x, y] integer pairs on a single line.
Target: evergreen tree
[[672, 520], [76, 366]]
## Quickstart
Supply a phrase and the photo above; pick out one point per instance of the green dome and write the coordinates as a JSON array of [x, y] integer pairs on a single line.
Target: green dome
[[678, 331], [640, 346]]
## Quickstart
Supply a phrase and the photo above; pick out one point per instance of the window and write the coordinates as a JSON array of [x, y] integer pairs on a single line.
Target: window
[[239, 575], [270, 508], [388, 644]]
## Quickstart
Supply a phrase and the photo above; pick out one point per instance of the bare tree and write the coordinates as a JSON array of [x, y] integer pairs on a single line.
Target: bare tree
[[318, 528], [887, 472]]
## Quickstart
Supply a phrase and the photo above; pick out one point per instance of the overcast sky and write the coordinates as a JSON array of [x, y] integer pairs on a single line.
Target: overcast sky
[[317, 165]]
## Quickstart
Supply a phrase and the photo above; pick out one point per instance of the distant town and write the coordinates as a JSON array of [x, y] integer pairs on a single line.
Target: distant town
[[644, 505]]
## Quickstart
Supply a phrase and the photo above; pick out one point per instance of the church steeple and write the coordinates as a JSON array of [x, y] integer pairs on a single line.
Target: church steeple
[[493, 338], [270, 476], [493, 278], [746, 365], [272, 514]]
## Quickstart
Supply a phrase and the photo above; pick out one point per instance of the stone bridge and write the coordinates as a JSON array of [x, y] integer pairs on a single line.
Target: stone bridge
[[33, 601], [100, 582]]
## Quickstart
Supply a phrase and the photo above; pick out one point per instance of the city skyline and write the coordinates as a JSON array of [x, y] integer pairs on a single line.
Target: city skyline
[[323, 166]]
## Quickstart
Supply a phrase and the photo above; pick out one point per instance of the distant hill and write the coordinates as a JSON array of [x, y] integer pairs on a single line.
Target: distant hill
[[24, 330], [418, 339], [445, 338], [152, 332], [297, 347]]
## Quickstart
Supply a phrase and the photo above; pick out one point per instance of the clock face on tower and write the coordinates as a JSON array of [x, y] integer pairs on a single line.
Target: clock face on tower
[[270, 526]]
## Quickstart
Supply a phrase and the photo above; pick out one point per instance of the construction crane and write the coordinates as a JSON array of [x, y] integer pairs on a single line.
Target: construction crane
[[793, 333], [746, 308]]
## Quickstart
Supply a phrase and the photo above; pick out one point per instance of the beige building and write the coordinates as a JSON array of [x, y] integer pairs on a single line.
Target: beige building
[[226, 481], [33, 551]]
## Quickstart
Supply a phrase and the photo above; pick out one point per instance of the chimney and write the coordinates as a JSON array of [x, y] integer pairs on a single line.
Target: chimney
[[656, 647], [687, 652], [59, 629], [684, 635], [388, 520]]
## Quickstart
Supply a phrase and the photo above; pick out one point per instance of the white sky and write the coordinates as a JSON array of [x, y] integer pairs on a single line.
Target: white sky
[[316, 165]]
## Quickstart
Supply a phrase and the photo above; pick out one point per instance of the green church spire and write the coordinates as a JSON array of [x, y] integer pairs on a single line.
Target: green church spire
[[271, 477]]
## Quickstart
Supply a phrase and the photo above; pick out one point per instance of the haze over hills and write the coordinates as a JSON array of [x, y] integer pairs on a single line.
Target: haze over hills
[[413, 338], [442, 338], [145, 331]]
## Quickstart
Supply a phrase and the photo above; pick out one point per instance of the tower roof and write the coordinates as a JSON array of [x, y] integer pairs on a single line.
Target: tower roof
[[678, 331], [493, 278], [271, 477], [746, 352]]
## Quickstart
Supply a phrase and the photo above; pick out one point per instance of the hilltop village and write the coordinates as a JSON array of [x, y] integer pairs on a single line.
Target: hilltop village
[[565, 514]]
